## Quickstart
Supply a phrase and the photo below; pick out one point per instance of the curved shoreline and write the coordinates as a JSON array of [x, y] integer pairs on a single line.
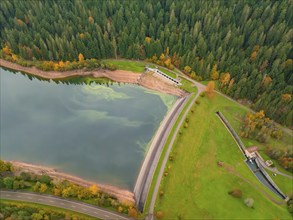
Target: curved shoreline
[[124, 196], [145, 80], [123, 76]]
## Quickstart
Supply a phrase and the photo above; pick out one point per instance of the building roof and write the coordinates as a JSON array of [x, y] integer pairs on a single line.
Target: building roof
[[252, 149]]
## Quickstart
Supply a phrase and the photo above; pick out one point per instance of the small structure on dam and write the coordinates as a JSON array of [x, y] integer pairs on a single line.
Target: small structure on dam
[[251, 152], [164, 76]]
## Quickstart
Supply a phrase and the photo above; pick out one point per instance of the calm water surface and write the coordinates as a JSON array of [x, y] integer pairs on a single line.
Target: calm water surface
[[93, 131]]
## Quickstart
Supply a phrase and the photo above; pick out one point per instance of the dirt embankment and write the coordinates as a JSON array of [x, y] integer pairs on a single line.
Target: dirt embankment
[[123, 76], [122, 195]]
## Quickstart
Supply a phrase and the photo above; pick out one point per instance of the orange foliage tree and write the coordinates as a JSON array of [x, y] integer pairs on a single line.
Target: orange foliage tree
[[80, 57], [210, 88]]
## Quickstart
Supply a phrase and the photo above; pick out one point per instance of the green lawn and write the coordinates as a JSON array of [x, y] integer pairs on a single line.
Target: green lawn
[[284, 183], [135, 66], [169, 73], [46, 208], [196, 188], [187, 85]]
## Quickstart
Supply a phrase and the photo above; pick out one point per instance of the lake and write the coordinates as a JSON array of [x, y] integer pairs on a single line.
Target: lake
[[97, 132]]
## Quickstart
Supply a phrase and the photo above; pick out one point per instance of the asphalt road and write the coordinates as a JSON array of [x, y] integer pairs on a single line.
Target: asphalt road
[[62, 203], [150, 163]]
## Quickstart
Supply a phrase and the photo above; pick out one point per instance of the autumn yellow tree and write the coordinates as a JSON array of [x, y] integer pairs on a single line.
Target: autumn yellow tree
[[148, 40], [94, 189], [57, 192], [80, 57], [210, 88], [253, 56], [132, 212], [266, 81], [91, 19], [82, 36], [7, 50], [225, 78], [43, 188], [14, 57], [193, 75], [187, 69], [214, 73], [167, 62], [286, 97], [162, 57]]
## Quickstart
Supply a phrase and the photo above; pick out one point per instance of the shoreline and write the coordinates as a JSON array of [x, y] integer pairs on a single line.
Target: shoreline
[[146, 80], [123, 195]]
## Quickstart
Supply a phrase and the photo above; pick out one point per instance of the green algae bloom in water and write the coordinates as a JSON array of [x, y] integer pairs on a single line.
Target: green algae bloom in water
[[96, 132]]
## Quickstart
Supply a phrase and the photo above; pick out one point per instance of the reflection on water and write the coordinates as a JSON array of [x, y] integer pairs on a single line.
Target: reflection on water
[[97, 132]]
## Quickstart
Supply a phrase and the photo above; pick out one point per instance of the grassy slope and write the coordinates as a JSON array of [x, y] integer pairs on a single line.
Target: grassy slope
[[136, 66], [47, 208], [196, 187], [129, 65]]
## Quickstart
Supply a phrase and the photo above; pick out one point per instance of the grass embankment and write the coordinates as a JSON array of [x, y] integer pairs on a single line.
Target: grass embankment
[[43, 209], [135, 66], [196, 187]]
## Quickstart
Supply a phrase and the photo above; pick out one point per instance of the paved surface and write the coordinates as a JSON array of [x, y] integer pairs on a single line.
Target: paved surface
[[273, 169], [149, 165], [62, 203]]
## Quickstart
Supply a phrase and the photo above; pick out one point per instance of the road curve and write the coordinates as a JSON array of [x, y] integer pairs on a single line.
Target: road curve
[[62, 203]]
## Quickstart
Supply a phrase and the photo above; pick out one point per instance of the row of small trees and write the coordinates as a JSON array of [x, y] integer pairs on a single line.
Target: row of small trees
[[256, 125], [87, 64], [18, 210], [62, 188]]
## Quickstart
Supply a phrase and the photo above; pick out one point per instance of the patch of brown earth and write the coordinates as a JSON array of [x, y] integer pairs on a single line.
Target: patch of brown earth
[[123, 76], [124, 196]]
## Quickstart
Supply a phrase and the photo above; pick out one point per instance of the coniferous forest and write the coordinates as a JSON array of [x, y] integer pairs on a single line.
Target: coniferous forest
[[245, 45]]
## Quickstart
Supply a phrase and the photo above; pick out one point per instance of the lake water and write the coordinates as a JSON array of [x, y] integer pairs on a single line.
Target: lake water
[[93, 131]]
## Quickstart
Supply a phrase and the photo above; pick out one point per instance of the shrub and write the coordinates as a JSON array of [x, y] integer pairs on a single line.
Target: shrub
[[192, 111], [43, 188], [187, 120], [25, 176], [197, 102], [120, 209], [160, 214], [202, 94], [185, 125], [45, 179], [132, 212], [8, 182], [161, 193], [16, 185], [249, 202], [237, 193], [166, 173], [171, 158]]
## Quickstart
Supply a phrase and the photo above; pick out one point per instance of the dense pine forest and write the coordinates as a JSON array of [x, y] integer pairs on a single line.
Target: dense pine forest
[[245, 45]]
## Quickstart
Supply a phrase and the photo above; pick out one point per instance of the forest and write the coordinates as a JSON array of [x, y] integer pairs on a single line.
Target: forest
[[246, 46]]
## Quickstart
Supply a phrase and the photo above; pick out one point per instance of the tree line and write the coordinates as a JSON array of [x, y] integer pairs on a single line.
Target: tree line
[[11, 180], [246, 46]]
